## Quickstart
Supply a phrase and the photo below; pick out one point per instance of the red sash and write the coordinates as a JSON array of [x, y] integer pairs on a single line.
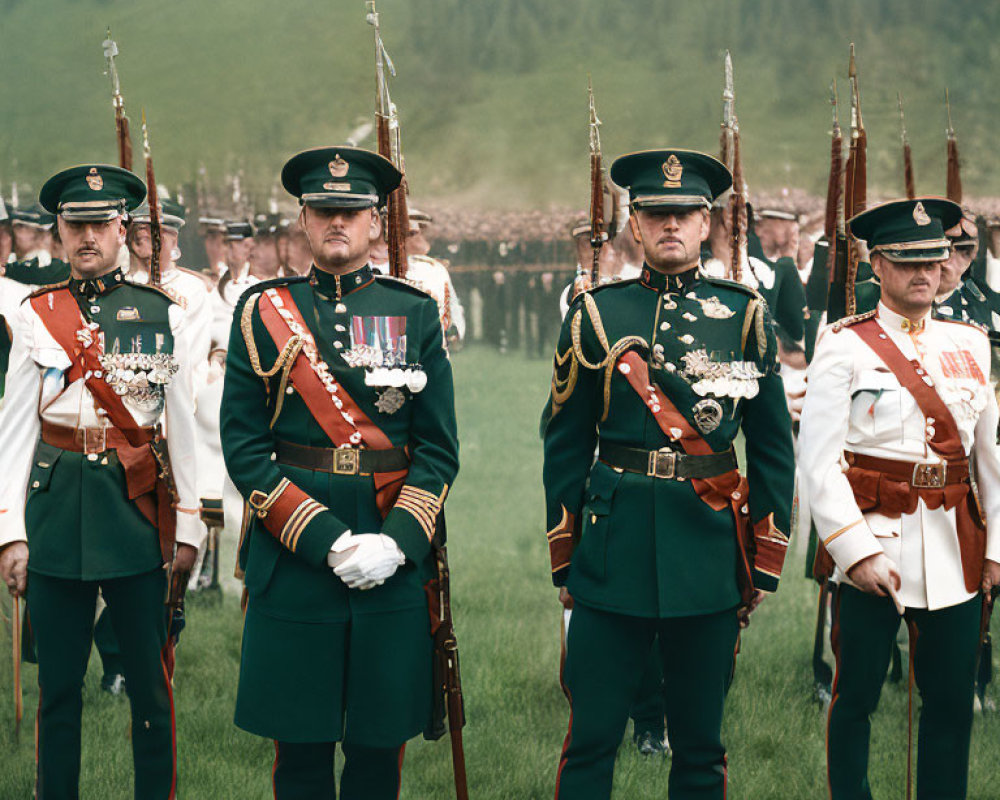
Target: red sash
[[346, 425], [729, 489], [946, 441], [145, 481], [61, 316]]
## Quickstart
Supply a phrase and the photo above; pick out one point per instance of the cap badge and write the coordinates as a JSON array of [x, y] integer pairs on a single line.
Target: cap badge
[[94, 180], [338, 167], [920, 215], [672, 170]]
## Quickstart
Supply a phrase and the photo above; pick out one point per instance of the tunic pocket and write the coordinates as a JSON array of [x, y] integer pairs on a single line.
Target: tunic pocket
[[42, 466], [591, 554]]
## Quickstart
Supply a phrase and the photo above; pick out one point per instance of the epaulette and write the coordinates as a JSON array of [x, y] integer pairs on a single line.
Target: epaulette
[[146, 288], [975, 290], [46, 289], [270, 283], [728, 284], [402, 283], [201, 275], [424, 259], [847, 322], [612, 285], [971, 323]]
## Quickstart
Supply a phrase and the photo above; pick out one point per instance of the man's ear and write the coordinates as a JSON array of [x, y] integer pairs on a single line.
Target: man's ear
[[375, 231], [706, 224], [633, 225], [876, 262]]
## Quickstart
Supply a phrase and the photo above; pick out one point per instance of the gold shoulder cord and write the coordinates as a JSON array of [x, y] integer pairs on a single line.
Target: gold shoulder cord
[[619, 349], [291, 348], [747, 322], [761, 332], [286, 358], [577, 344]]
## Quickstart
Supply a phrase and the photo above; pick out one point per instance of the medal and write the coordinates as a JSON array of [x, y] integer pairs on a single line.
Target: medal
[[707, 415], [390, 401]]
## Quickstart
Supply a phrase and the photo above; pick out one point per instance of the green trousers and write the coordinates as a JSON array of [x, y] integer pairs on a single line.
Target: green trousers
[[944, 664], [605, 659], [304, 771], [647, 711], [62, 619]]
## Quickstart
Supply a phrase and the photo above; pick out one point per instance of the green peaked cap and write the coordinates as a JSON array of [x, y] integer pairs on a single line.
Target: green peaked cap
[[92, 192], [172, 214], [671, 178], [340, 177], [908, 230]]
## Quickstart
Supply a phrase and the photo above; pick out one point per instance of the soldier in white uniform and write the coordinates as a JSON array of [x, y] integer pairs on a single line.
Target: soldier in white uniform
[[425, 273], [100, 371], [188, 289], [236, 280], [613, 267], [898, 414]]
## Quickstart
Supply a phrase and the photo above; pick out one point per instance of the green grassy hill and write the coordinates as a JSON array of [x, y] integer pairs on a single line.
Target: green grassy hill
[[492, 95]]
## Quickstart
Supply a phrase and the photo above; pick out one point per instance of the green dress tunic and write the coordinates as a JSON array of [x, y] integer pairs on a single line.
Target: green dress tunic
[[322, 662]]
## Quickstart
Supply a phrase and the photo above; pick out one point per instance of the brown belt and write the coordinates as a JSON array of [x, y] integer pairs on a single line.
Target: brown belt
[[920, 475], [341, 460], [85, 440]]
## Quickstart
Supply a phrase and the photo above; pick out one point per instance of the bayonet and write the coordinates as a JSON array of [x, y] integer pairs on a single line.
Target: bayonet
[[153, 199]]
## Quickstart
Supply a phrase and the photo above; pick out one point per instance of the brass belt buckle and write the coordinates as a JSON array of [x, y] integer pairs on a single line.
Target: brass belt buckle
[[929, 476], [662, 463], [346, 461], [93, 440]]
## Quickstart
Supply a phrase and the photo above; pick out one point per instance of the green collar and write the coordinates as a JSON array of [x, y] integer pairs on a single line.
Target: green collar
[[338, 286], [95, 287], [661, 282]]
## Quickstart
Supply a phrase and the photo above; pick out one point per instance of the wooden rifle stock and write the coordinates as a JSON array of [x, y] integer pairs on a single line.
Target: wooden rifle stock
[[448, 699], [953, 189], [124, 138], [153, 200], [856, 182]]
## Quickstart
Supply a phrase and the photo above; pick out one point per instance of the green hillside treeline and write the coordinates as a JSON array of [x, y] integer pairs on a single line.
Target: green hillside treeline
[[492, 93]]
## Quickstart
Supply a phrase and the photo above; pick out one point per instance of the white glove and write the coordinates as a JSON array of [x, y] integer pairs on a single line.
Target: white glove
[[375, 558]]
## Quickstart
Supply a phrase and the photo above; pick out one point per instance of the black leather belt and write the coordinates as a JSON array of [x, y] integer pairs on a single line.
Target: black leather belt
[[341, 460], [666, 463]]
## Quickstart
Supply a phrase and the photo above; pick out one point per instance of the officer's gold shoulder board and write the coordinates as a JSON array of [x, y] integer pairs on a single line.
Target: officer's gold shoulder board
[[847, 322]]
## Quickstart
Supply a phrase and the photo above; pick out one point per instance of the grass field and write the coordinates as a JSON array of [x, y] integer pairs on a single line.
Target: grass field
[[508, 627]]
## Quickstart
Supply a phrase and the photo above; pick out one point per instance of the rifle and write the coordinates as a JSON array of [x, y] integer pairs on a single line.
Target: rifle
[[954, 180], [833, 222], [908, 180], [598, 235], [447, 673], [856, 181], [730, 156], [15, 632], [984, 668], [390, 147], [118, 102], [153, 198]]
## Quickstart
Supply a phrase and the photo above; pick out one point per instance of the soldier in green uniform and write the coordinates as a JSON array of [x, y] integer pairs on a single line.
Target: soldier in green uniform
[[961, 296], [338, 427], [661, 535], [99, 367]]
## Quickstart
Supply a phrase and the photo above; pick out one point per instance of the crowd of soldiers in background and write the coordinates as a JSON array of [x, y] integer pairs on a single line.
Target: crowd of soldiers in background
[[509, 268]]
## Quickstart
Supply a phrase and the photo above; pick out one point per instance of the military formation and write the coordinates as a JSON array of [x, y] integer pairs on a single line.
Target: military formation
[[717, 365]]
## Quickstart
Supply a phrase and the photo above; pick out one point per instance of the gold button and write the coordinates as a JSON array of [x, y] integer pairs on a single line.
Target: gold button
[[92, 457], [35, 485]]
